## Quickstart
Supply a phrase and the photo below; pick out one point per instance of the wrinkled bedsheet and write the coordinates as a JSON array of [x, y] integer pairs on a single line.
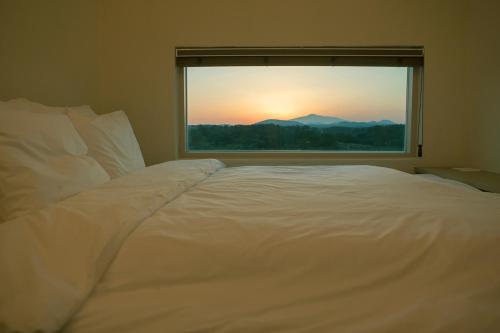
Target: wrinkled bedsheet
[[51, 260], [267, 249]]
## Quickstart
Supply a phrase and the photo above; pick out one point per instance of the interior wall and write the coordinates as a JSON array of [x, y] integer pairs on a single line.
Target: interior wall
[[119, 54], [484, 75], [48, 51]]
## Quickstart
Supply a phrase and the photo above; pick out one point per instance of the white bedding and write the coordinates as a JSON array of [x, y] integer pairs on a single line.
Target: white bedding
[[42, 160], [50, 260], [256, 249]]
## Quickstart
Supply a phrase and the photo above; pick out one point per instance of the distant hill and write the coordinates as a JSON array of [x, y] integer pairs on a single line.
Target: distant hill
[[365, 123], [385, 122], [315, 120], [279, 122]]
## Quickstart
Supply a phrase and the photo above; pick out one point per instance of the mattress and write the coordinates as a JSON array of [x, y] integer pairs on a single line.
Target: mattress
[[191, 246]]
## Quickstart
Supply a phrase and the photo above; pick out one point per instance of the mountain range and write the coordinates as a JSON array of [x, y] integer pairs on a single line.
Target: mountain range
[[315, 120]]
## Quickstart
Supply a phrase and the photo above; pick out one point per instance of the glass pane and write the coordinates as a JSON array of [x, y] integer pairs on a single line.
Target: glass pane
[[288, 108]]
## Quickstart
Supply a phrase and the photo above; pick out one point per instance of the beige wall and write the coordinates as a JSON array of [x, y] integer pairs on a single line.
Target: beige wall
[[484, 68], [48, 51], [120, 55]]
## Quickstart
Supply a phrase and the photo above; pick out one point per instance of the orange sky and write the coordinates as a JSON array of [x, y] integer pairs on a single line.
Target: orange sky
[[245, 95]]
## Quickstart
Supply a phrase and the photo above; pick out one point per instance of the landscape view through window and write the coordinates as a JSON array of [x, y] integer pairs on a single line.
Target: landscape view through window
[[296, 108]]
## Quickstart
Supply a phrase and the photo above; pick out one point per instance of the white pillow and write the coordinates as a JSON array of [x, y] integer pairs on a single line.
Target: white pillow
[[42, 160], [111, 141], [23, 104]]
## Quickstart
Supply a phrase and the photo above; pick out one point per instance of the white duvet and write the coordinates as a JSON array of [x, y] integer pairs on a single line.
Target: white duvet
[[191, 246]]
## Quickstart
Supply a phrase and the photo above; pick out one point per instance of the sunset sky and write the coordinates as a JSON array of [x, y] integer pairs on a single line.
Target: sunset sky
[[245, 95]]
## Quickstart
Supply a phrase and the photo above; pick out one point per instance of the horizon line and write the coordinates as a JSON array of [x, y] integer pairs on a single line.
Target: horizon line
[[304, 116]]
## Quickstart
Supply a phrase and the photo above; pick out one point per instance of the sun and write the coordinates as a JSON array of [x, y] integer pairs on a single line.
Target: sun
[[278, 105]]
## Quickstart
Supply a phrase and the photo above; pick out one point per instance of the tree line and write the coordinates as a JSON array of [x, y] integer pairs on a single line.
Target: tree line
[[275, 137]]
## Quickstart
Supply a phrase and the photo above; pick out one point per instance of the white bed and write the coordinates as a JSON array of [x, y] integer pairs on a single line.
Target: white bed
[[192, 246]]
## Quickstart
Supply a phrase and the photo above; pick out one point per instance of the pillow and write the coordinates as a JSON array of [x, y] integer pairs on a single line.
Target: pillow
[[42, 160], [24, 104], [111, 141], [84, 110]]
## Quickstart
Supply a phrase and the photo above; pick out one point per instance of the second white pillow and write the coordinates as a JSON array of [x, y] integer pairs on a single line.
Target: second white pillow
[[25, 104], [111, 141]]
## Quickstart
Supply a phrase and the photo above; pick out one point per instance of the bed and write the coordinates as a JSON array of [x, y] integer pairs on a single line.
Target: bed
[[91, 240], [193, 246]]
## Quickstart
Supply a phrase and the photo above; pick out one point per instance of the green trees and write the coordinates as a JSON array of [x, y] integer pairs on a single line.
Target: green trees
[[275, 137]]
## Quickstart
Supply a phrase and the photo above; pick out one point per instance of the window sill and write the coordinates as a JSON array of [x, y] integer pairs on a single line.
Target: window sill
[[295, 155]]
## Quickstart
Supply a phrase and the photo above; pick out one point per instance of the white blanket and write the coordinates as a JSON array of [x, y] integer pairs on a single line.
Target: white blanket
[[50, 260], [259, 249]]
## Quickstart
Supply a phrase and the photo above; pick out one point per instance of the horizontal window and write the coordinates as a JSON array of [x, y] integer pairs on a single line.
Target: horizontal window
[[233, 105]]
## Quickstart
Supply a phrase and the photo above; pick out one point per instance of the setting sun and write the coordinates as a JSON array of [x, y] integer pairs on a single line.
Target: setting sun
[[282, 105]]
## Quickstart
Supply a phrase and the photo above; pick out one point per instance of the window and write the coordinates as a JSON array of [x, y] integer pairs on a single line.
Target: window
[[299, 101]]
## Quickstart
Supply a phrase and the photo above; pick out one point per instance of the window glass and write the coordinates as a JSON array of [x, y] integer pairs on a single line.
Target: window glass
[[297, 108]]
